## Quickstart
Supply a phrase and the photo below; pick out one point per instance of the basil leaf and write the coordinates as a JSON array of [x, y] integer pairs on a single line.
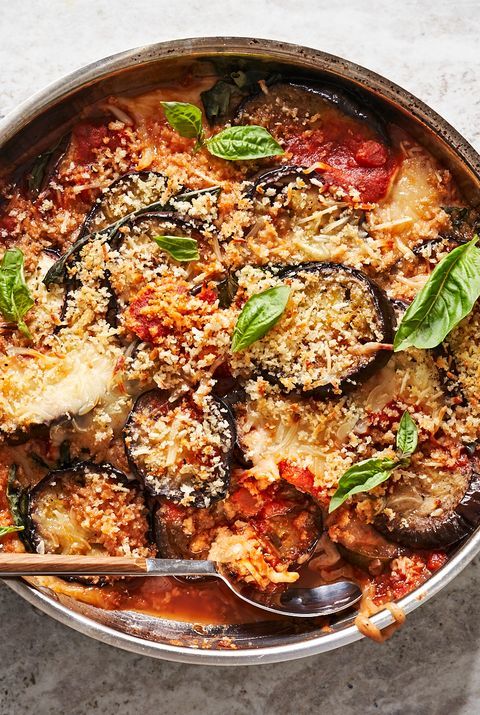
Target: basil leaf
[[446, 298], [243, 143], [185, 118], [220, 100], [260, 313], [8, 530], [362, 477], [407, 435], [181, 248], [15, 298]]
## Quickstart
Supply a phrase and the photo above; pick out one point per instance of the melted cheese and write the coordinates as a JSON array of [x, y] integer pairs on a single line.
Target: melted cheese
[[38, 388]]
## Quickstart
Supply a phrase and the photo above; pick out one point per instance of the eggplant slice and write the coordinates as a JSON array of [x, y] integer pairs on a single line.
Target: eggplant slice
[[314, 223], [137, 191], [432, 505], [88, 509], [310, 101], [326, 128], [360, 543], [331, 337], [136, 254], [180, 450], [280, 521], [146, 190]]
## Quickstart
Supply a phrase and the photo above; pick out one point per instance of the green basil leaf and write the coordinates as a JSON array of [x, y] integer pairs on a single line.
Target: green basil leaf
[[15, 298], [181, 248], [220, 100], [446, 298], [362, 477], [407, 435], [185, 118], [260, 313], [9, 529], [243, 143]]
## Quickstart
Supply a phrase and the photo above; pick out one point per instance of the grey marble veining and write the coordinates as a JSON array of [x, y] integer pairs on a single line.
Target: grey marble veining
[[432, 666]]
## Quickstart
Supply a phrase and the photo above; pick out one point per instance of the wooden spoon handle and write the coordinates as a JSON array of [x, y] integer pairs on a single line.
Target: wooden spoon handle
[[17, 564]]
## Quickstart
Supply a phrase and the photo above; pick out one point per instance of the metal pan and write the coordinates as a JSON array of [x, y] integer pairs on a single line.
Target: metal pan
[[30, 128]]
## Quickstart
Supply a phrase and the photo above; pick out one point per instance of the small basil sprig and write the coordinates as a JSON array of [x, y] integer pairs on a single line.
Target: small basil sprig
[[45, 164], [181, 248], [233, 144], [259, 314], [369, 473], [446, 298], [15, 298]]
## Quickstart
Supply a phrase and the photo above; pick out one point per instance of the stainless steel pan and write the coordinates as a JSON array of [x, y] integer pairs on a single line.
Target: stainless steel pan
[[29, 128]]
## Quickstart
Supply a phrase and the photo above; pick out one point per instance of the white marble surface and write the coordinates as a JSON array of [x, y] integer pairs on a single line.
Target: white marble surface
[[432, 667]]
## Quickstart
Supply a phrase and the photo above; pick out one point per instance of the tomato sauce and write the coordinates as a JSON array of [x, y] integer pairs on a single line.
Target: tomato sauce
[[351, 157]]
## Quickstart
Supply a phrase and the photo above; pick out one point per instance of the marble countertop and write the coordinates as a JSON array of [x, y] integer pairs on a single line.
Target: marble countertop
[[430, 666]]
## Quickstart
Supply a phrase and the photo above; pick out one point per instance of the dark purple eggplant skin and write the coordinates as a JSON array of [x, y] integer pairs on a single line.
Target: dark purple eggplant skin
[[234, 395], [75, 471], [383, 308], [200, 499], [346, 102], [437, 532], [279, 177]]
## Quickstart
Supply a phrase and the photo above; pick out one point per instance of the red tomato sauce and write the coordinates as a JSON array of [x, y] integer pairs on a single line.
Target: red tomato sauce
[[352, 157]]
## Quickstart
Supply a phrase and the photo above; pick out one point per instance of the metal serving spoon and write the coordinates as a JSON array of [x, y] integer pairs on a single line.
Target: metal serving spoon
[[298, 602]]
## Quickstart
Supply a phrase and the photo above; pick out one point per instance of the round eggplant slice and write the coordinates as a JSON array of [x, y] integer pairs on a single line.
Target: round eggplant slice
[[278, 522], [180, 450], [88, 509], [308, 218], [309, 100], [335, 332], [432, 505], [360, 543], [137, 190], [136, 255], [326, 127]]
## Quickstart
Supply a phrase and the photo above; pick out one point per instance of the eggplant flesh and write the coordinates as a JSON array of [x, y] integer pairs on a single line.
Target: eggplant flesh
[[179, 450], [310, 100], [410, 519], [300, 358], [63, 516]]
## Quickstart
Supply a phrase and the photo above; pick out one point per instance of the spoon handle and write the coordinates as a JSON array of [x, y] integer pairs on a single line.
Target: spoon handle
[[19, 564]]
